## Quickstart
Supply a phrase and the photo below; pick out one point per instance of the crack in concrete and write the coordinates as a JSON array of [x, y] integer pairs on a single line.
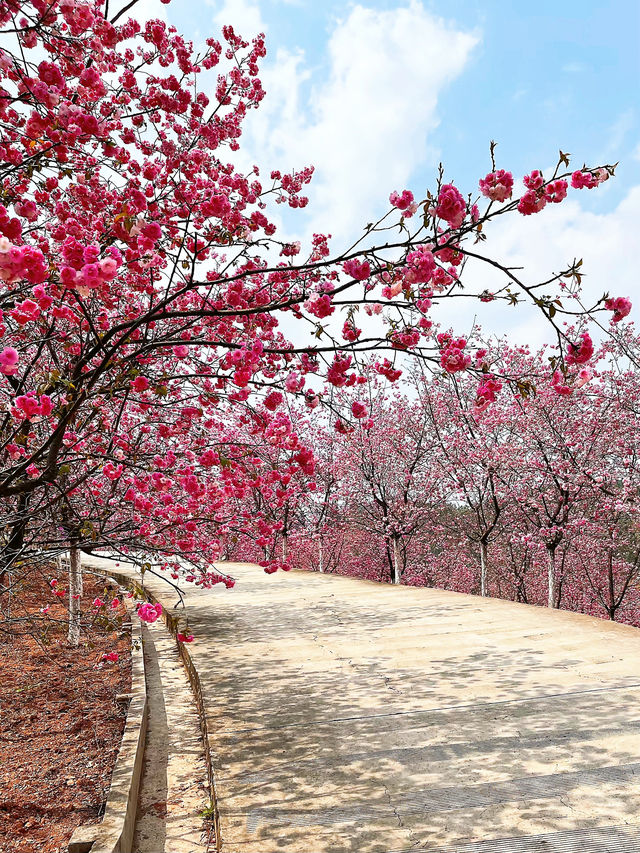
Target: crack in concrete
[[393, 808], [415, 842], [566, 804], [389, 686]]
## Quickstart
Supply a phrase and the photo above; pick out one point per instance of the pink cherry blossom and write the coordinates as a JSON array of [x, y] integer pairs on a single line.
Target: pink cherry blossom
[[581, 180], [580, 353], [621, 307], [451, 205], [184, 638], [498, 185], [149, 612], [402, 201], [359, 270], [9, 361]]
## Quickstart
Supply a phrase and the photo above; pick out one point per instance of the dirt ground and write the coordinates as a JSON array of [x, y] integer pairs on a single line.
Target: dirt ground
[[60, 722]]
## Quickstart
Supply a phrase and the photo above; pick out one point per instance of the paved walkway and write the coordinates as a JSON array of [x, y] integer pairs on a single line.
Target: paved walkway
[[350, 716]]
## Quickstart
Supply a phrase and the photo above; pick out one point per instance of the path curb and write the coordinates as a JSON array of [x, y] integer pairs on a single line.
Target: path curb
[[115, 833], [176, 623]]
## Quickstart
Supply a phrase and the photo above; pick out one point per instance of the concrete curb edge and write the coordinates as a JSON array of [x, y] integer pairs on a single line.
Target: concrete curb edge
[[115, 833], [175, 623]]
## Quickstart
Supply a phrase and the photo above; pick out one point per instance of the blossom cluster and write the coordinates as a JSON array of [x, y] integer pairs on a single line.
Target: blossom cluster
[[580, 353], [487, 393], [404, 202], [28, 406], [8, 361], [453, 358], [621, 307], [538, 193], [149, 612], [451, 205], [497, 186], [21, 263], [83, 267]]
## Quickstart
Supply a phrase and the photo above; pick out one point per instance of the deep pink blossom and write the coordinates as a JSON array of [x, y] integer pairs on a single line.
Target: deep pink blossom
[[402, 201], [556, 191], [420, 266], [359, 270], [534, 180], [580, 353], [621, 307], [8, 361], [451, 205], [581, 180], [184, 638], [320, 306], [453, 358], [149, 612], [497, 186], [532, 202]]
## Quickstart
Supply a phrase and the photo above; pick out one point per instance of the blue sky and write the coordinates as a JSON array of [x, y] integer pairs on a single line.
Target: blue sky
[[376, 93], [543, 75]]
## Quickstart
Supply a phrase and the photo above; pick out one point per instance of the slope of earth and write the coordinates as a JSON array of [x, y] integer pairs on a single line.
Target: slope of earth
[[60, 723], [345, 715]]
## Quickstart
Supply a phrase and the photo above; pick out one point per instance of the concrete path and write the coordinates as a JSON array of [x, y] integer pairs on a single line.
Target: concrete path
[[349, 716]]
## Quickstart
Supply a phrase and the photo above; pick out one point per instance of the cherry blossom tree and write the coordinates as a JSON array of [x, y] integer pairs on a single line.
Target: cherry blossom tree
[[385, 475], [468, 432]]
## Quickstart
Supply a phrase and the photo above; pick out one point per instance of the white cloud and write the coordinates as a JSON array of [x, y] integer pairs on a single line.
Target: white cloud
[[574, 68], [144, 10], [546, 243], [365, 121], [619, 130], [366, 125], [243, 15]]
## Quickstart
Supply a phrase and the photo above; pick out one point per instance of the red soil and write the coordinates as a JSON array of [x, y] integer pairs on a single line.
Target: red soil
[[60, 723]]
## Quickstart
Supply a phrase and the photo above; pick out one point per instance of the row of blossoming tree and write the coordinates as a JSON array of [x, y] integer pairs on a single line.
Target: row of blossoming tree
[[143, 373], [533, 496]]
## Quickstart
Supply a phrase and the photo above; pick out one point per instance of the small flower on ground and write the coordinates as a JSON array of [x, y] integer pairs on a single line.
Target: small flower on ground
[[184, 638]]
